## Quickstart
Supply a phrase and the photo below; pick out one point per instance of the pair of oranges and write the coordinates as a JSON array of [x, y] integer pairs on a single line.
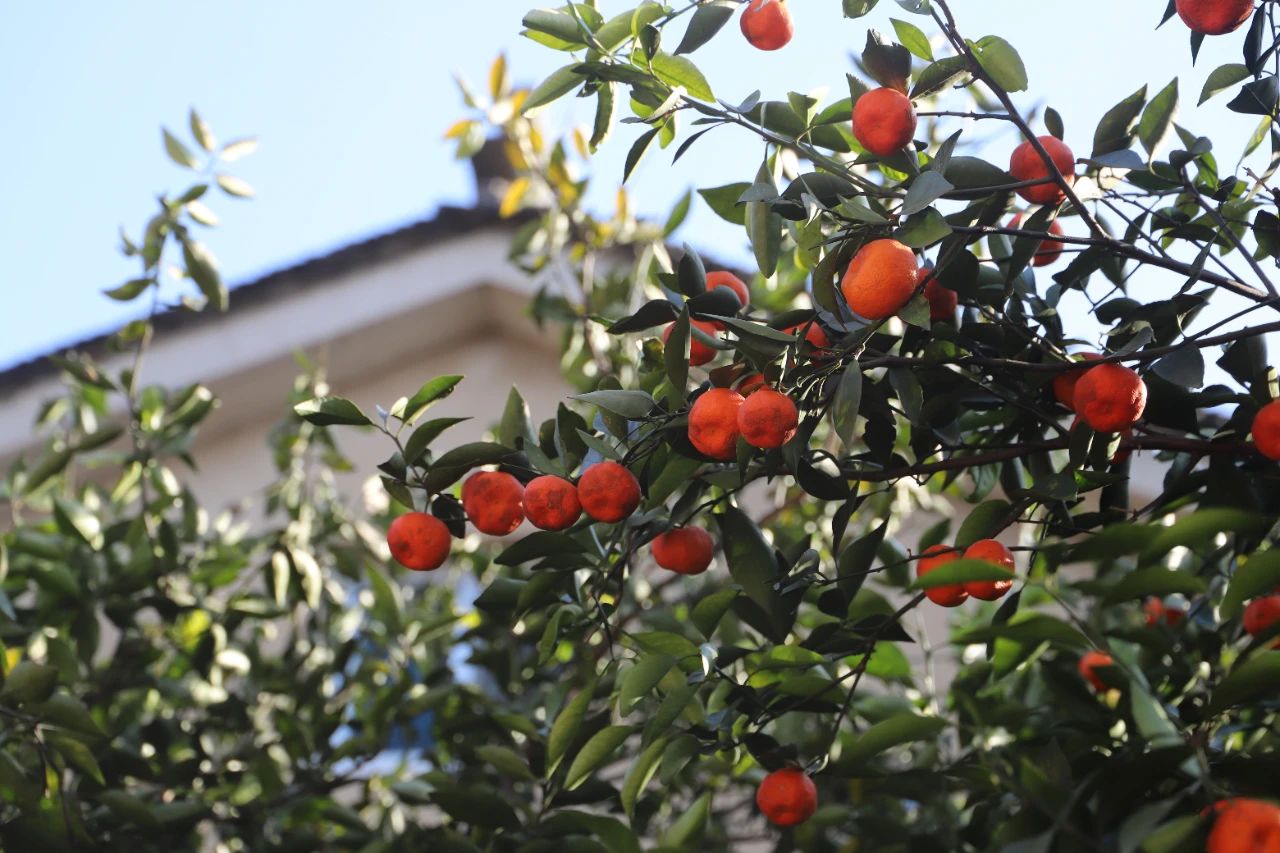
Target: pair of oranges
[[953, 595]]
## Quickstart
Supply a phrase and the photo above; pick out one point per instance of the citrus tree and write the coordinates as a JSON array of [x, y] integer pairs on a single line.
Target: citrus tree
[[698, 626]]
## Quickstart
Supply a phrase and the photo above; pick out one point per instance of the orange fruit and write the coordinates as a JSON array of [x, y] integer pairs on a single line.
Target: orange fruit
[[1064, 384], [1091, 661], [767, 419], [993, 552], [699, 353], [1214, 17], [684, 550], [1110, 397], [1027, 165], [1245, 825], [767, 24], [418, 541], [494, 501], [881, 278], [1261, 615], [750, 383], [1266, 430], [608, 492], [1156, 612], [551, 503], [713, 423], [951, 595], [815, 336], [884, 121], [943, 301], [1049, 250], [723, 278], [787, 797]]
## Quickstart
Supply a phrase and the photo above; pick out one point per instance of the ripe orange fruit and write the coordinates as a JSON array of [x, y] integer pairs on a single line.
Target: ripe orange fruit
[[723, 278], [684, 550], [551, 503], [699, 353], [815, 336], [881, 278], [750, 383], [1266, 430], [1064, 384], [767, 24], [1049, 250], [494, 501], [713, 423], [943, 301], [884, 121], [1261, 615], [608, 492], [993, 552], [787, 797], [1157, 612], [1027, 165], [951, 595], [767, 419], [418, 541], [1110, 397], [1091, 661], [1214, 17], [1245, 825]]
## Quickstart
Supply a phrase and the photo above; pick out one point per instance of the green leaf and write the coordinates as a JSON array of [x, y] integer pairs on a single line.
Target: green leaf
[[1258, 575], [505, 760], [595, 753], [679, 71], [1027, 628], [1157, 118], [200, 131], [913, 39], [983, 522], [1202, 527], [1155, 580], [129, 290], [233, 186], [76, 754], [629, 404], [565, 727], [939, 75], [388, 604], [707, 20], [962, 571], [708, 612], [1001, 62], [561, 82], [1173, 837], [690, 826], [848, 399], [515, 422], [76, 519], [129, 808], [424, 435], [639, 774], [888, 63], [606, 109], [751, 564], [1115, 131], [238, 148], [475, 805], [637, 151], [65, 711], [1254, 678], [895, 731], [925, 190], [178, 152], [432, 391], [29, 682], [203, 269], [764, 230], [450, 466], [331, 411], [1222, 78], [639, 680], [857, 8], [1152, 719], [675, 355], [724, 201]]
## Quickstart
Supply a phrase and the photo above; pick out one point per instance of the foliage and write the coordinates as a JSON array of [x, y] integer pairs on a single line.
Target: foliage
[[264, 676]]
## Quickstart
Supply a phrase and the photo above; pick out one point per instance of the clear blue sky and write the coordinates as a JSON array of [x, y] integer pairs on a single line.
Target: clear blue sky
[[350, 101]]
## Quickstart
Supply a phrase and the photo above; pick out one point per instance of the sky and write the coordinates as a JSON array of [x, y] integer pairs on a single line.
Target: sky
[[350, 102]]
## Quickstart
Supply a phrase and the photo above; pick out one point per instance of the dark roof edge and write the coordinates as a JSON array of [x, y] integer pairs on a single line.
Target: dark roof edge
[[380, 248]]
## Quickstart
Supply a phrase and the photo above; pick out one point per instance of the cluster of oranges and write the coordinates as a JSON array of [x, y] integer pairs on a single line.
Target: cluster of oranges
[[497, 503]]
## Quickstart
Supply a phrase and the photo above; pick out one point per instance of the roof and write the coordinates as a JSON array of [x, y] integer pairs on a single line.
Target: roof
[[446, 223]]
